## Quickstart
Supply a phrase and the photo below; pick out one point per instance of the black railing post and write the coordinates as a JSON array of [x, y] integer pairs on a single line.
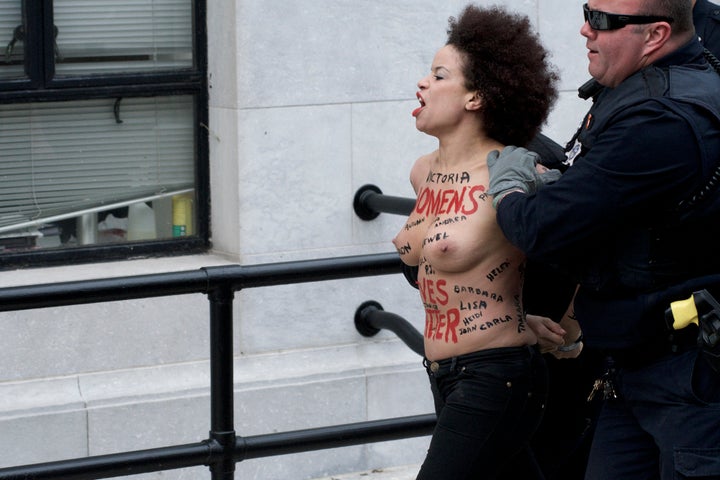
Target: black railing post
[[222, 428]]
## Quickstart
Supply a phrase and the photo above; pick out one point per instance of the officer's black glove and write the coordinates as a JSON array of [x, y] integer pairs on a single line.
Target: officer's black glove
[[513, 169]]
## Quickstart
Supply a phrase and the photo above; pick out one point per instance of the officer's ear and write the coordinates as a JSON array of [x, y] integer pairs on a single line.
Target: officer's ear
[[656, 35]]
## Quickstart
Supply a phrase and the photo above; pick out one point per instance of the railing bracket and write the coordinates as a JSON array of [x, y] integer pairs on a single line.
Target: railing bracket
[[360, 202], [362, 324]]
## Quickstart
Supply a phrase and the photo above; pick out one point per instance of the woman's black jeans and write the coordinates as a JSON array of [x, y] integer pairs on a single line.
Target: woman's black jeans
[[488, 404]]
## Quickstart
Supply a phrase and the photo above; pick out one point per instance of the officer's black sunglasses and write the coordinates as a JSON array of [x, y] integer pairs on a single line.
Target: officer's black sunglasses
[[612, 21]]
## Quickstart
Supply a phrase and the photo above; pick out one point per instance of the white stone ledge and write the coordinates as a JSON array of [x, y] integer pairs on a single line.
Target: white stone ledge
[[27, 398], [122, 268], [38, 397]]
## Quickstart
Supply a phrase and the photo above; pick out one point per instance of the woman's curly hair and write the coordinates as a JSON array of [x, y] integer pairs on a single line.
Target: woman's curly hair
[[504, 60]]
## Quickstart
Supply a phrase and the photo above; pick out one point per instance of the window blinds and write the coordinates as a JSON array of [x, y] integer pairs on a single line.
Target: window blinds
[[122, 35], [63, 157]]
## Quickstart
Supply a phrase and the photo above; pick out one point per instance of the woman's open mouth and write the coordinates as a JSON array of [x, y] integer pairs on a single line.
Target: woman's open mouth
[[422, 105]]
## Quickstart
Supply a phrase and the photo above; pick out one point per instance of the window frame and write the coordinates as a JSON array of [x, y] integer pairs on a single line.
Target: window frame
[[41, 86]]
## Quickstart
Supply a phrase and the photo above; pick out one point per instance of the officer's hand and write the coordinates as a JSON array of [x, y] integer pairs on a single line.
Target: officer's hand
[[513, 170], [549, 333]]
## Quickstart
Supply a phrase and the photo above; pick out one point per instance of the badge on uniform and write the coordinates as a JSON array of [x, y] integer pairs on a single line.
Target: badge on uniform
[[573, 153]]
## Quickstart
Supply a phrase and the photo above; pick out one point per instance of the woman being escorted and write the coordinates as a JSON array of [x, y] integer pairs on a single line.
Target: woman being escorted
[[490, 86]]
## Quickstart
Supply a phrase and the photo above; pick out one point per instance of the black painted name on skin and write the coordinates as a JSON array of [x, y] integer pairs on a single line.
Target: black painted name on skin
[[468, 325], [483, 326], [467, 329], [404, 249], [449, 221], [495, 321], [495, 272], [431, 306], [521, 314], [414, 224], [462, 177], [473, 305], [435, 238], [478, 291], [467, 321]]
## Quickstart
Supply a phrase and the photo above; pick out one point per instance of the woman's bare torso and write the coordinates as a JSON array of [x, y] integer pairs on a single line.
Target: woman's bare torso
[[470, 277]]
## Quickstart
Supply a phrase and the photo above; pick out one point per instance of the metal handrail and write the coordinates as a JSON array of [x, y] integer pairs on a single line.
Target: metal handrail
[[244, 448], [369, 202], [204, 280], [370, 318], [223, 448]]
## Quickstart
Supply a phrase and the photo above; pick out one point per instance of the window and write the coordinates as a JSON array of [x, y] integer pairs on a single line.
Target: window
[[103, 137]]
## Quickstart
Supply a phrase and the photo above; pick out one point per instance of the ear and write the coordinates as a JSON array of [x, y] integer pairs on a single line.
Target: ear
[[656, 35], [474, 101]]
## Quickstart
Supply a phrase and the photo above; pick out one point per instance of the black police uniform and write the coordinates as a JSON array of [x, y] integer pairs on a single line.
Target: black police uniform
[[706, 17], [614, 221]]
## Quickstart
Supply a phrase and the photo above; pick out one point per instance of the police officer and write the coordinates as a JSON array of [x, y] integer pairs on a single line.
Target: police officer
[[706, 18], [636, 220]]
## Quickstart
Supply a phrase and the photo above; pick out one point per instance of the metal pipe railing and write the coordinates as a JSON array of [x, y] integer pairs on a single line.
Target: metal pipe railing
[[204, 280], [224, 448], [369, 202], [370, 318], [115, 465], [334, 436], [244, 448]]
